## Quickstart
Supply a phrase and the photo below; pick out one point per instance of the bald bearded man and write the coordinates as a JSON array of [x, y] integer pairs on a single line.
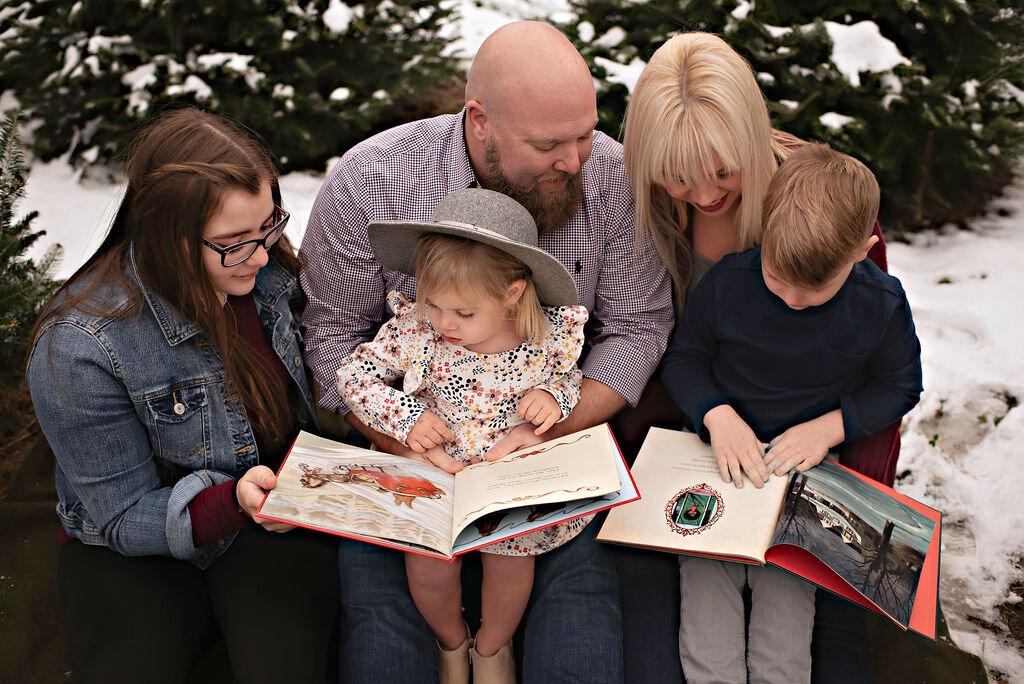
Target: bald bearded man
[[527, 130]]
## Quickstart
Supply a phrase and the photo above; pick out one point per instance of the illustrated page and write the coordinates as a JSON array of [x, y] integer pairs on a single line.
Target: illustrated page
[[330, 486]]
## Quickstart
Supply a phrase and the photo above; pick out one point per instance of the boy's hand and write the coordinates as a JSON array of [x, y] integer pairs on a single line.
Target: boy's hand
[[805, 445], [737, 449], [541, 409], [428, 432]]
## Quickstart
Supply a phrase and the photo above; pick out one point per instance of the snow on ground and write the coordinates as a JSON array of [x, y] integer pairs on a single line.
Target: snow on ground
[[961, 445]]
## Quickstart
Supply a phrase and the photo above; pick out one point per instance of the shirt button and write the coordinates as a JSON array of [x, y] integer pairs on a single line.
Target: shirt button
[[179, 408]]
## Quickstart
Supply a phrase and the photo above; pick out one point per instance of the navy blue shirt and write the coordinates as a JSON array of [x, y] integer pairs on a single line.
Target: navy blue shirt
[[740, 344]]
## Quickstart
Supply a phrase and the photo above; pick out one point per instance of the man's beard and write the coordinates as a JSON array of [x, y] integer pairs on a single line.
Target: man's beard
[[549, 210]]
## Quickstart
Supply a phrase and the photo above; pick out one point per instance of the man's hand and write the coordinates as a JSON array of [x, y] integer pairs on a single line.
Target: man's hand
[[737, 449], [429, 431], [389, 445], [251, 489], [436, 456], [541, 409], [519, 437], [805, 445]]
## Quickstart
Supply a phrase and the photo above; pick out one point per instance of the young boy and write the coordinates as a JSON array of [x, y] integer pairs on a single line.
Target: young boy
[[801, 343]]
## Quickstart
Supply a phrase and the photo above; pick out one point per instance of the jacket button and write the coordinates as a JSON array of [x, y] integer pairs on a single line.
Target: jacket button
[[297, 360], [179, 408]]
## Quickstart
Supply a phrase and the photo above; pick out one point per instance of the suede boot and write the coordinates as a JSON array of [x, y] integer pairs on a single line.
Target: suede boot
[[499, 668], [453, 666]]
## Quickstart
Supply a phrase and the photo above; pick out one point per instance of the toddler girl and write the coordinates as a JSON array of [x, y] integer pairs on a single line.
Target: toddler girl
[[477, 354]]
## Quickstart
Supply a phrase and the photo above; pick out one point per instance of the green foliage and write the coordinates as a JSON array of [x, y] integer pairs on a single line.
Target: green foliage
[[943, 132], [311, 76], [24, 284]]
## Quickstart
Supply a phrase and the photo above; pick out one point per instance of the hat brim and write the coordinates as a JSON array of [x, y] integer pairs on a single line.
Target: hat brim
[[394, 244]]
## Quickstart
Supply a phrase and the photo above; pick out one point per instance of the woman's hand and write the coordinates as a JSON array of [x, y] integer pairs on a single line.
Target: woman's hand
[[541, 409], [251, 489]]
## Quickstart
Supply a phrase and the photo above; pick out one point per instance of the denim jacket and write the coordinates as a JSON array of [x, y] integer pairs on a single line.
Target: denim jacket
[[137, 409]]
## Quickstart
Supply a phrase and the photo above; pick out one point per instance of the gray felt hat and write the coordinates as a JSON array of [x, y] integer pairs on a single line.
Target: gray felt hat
[[484, 216]]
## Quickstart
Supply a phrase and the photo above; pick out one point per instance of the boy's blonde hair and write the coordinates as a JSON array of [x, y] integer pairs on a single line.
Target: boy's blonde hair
[[447, 263], [819, 211], [697, 104]]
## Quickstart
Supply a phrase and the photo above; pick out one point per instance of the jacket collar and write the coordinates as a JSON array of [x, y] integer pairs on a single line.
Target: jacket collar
[[272, 282]]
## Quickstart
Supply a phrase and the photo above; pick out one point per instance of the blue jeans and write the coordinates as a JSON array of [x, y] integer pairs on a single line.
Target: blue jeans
[[573, 627]]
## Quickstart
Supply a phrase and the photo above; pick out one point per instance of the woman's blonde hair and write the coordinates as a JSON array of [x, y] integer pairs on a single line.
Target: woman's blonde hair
[[696, 106], [445, 263]]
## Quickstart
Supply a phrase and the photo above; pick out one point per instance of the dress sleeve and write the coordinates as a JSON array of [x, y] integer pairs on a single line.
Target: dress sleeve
[[562, 347], [365, 378]]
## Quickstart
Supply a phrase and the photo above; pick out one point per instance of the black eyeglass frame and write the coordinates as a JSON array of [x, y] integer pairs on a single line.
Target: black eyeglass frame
[[267, 240]]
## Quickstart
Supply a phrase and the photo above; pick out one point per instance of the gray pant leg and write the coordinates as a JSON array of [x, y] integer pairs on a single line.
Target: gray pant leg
[[712, 643], [781, 622]]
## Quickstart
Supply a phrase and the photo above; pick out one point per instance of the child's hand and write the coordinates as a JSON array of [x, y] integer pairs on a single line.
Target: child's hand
[[541, 409], [737, 449], [805, 445], [428, 432]]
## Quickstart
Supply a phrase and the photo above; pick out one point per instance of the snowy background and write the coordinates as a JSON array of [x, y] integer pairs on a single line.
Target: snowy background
[[961, 445]]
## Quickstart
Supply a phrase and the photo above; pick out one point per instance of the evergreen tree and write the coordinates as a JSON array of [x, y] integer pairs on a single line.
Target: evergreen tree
[[24, 285], [311, 76], [942, 131]]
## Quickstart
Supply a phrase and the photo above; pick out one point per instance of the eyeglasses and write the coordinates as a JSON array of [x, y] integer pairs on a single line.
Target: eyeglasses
[[233, 255]]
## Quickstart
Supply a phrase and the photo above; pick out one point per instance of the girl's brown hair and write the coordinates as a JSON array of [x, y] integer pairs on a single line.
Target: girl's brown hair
[[446, 263], [178, 169]]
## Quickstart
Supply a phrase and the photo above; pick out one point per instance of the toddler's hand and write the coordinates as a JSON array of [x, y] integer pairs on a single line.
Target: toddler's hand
[[541, 409], [428, 432], [737, 449]]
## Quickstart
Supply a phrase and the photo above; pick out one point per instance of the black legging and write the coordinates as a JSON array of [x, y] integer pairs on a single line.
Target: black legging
[[273, 598]]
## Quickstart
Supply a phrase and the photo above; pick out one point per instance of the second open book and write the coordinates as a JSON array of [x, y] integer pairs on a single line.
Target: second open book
[[413, 506], [831, 526]]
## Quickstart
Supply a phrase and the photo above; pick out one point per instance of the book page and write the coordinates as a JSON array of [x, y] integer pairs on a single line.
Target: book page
[[577, 466], [687, 508], [341, 489], [512, 522], [875, 542]]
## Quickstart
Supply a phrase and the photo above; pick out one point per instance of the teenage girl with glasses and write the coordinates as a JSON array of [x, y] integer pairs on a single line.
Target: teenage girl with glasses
[[166, 375]]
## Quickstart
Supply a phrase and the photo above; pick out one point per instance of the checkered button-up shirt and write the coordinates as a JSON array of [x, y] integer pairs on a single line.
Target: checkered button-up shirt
[[401, 175]]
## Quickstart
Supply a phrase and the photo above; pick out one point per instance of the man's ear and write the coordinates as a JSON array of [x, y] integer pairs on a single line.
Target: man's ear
[[868, 244], [476, 120]]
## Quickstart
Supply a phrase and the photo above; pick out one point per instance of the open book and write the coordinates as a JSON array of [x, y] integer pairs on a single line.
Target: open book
[[413, 506], [829, 525]]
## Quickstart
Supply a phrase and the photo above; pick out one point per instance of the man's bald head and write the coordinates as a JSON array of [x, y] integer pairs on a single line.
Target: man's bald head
[[524, 62]]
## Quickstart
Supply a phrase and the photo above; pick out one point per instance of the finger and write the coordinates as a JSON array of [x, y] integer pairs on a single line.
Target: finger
[[736, 472], [415, 445], [501, 450], [546, 425], [444, 461], [723, 468]]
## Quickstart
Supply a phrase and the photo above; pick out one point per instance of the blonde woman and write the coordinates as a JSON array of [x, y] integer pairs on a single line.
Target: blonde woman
[[700, 151]]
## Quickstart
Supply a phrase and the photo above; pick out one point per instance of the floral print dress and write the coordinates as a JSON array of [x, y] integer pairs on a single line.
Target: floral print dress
[[476, 394]]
